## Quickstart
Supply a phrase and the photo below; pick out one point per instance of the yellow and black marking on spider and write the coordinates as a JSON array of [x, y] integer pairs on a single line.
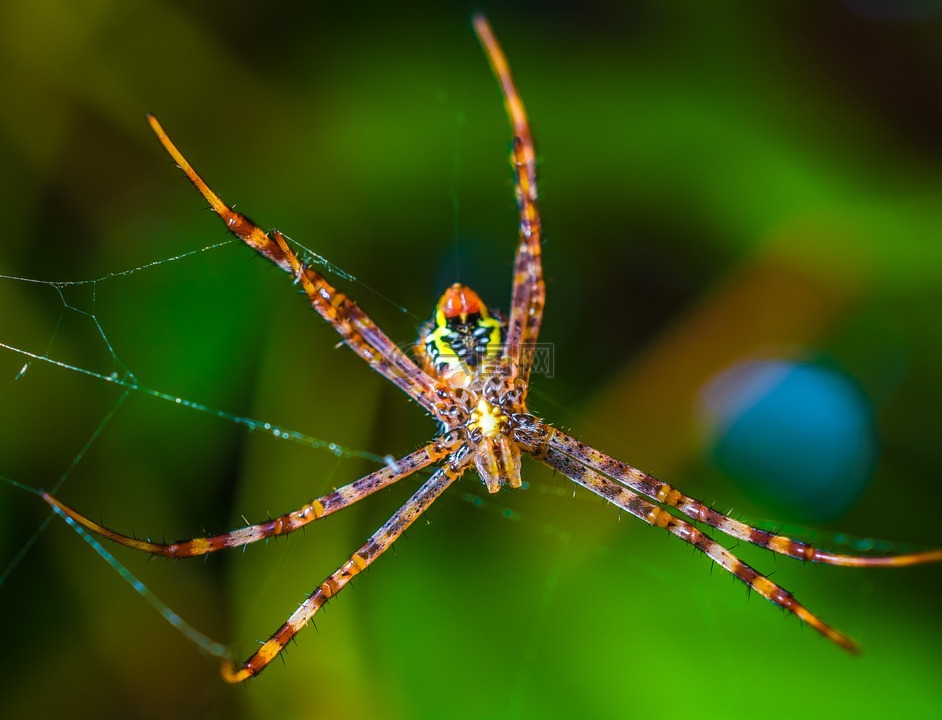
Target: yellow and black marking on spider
[[472, 375], [463, 337]]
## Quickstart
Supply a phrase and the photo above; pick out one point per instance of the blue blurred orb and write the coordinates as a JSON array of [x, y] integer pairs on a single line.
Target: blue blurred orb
[[793, 435]]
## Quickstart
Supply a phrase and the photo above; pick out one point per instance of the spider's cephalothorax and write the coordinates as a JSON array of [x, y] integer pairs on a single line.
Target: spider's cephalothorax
[[462, 346], [473, 378]]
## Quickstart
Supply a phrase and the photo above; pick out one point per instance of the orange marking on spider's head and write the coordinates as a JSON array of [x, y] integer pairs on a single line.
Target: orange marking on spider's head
[[459, 301]]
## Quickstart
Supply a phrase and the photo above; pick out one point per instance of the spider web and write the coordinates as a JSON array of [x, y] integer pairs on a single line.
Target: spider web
[[78, 305], [74, 341]]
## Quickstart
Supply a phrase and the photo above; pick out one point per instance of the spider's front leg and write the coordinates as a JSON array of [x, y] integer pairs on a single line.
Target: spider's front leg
[[359, 332], [528, 295]]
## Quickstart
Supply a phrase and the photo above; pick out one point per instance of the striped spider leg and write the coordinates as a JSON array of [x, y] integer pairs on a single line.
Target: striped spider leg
[[473, 376], [669, 496], [359, 333], [648, 499], [342, 497], [378, 543], [529, 291]]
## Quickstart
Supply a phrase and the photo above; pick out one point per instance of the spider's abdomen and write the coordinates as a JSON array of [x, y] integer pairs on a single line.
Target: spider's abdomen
[[463, 335]]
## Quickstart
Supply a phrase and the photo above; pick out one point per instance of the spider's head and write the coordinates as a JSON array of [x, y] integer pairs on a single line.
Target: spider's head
[[463, 334]]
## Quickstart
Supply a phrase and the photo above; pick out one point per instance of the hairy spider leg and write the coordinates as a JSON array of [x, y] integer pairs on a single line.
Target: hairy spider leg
[[658, 517], [359, 332], [323, 506], [378, 543], [528, 296], [669, 496]]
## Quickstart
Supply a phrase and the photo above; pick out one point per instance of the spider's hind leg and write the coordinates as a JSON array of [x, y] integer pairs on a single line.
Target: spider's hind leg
[[376, 545], [282, 524], [669, 496], [657, 516]]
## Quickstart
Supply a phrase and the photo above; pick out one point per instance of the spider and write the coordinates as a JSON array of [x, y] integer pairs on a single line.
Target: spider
[[471, 372]]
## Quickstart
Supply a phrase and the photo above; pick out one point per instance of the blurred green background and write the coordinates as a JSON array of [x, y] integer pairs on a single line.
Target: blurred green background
[[720, 183]]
